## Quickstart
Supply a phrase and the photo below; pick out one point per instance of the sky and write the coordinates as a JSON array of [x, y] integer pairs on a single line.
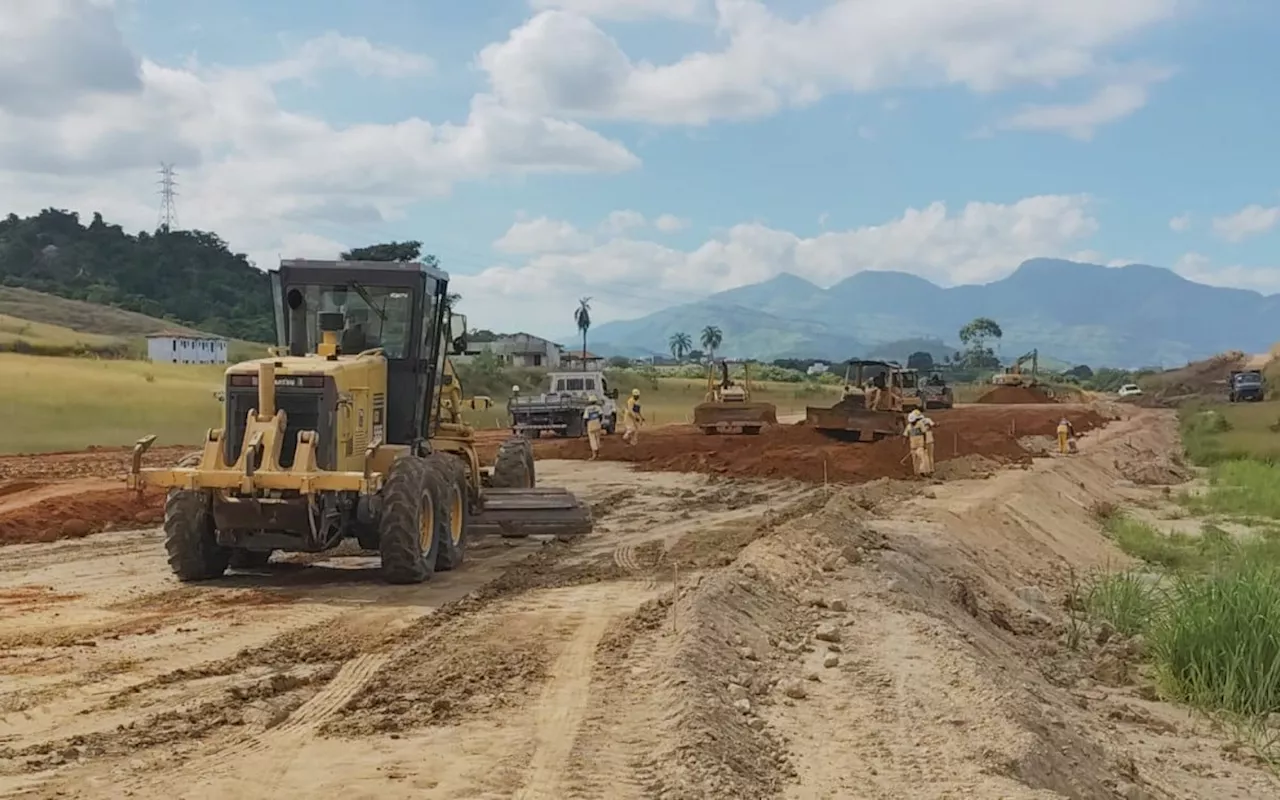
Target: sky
[[645, 153]]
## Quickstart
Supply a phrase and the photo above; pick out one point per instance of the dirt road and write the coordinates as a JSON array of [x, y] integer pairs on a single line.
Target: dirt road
[[715, 638]]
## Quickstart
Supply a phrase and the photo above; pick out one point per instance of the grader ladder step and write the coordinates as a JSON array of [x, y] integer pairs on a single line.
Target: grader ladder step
[[516, 513]]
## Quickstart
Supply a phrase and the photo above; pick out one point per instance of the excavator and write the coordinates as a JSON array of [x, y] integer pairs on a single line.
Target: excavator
[[727, 407], [1013, 374], [871, 407]]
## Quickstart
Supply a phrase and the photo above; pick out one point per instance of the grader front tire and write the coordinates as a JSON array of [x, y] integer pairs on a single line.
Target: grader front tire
[[190, 539], [513, 468], [408, 539], [454, 499]]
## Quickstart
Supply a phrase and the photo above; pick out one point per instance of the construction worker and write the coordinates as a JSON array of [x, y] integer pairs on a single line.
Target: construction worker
[[1066, 433], [594, 416], [928, 424], [917, 427], [631, 418]]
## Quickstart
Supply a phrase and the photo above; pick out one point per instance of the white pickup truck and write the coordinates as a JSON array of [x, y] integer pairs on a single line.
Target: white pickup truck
[[559, 409]]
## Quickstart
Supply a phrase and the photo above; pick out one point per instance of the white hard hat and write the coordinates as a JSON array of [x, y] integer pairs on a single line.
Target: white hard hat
[[914, 416], [515, 388]]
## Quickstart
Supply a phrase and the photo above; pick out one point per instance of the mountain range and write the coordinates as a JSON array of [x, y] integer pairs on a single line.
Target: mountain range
[[1131, 316]]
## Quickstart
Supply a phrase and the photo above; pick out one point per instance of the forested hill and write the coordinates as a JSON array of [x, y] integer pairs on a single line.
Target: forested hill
[[189, 277]]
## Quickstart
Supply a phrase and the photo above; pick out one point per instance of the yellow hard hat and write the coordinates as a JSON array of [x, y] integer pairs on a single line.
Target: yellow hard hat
[[635, 392], [593, 399]]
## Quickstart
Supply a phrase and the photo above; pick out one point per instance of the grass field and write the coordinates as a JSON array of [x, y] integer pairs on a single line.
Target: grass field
[[55, 404], [1226, 431], [71, 403]]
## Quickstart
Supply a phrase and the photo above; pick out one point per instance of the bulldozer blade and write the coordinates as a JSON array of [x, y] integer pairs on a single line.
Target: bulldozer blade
[[845, 422], [734, 417], [517, 513]]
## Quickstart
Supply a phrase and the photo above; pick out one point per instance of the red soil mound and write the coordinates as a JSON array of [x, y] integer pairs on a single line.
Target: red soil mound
[[798, 452], [72, 515], [1015, 395]]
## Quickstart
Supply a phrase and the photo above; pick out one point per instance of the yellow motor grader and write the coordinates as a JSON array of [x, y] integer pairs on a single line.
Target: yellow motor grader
[[351, 429]]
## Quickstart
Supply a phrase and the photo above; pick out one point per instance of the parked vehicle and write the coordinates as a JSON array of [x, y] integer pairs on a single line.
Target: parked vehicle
[[935, 393], [1130, 390], [559, 410], [1246, 386]]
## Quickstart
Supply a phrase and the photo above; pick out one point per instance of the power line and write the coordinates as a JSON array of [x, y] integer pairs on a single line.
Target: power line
[[168, 219]]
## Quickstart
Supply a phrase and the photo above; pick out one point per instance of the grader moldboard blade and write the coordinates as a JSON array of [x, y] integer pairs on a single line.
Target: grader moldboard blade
[[547, 511], [852, 422], [746, 418]]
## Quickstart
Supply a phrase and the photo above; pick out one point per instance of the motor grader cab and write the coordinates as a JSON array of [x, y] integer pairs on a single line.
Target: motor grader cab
[[871, 405], [350, 429], [727, 406]]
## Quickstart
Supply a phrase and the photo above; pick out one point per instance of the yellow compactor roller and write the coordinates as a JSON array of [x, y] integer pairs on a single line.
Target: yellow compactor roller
[[352, 429]]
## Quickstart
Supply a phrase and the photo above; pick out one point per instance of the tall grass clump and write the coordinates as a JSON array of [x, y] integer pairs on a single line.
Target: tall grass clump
[[1217, 644], [1241, 487]]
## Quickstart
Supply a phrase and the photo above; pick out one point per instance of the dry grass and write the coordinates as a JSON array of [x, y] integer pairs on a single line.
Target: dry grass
[[55, 404]]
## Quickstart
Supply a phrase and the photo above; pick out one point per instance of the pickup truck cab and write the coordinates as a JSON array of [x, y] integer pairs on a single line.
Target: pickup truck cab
[[1129, 390], [559, 409], [1246, 386]]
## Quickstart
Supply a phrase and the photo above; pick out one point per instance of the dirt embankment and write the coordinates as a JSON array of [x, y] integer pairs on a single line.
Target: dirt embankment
[[1016, 395], [987, 433]]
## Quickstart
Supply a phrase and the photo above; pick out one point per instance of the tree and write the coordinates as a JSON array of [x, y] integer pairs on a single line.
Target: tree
[[921, 360], [711, 339], [1080, 371], [390, 251], [680, 344], [582, 318], [976, 332], [974, 336]]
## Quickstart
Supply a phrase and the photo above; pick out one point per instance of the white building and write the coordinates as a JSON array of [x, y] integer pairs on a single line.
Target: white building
[[186, 348], [817, 368]]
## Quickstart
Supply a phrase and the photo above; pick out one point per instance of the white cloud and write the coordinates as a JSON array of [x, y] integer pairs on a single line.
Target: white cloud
[[1081, 120], [768, 63], [1199, 268], [84, 121], [1180, 223], [670, 223], [334, 51], [543, 235], [1248, 221], [626, 10], [619, 222], [628, 276]]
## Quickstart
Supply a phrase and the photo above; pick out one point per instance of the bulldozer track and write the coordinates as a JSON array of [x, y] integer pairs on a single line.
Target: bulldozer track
[[351, 678]]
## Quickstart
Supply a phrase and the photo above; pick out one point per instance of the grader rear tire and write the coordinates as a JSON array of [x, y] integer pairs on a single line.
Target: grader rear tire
[[407, 529], [513, 468], [455, 500], [190, 538]]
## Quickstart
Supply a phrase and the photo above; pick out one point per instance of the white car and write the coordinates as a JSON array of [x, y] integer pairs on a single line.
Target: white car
[[1129, 390]]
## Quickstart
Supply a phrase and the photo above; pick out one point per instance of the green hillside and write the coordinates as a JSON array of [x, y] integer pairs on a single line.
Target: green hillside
[[188, 278]]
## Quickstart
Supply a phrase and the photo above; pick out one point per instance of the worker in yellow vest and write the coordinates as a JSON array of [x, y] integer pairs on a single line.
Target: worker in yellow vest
[[918, 435], [1066, 433], [594, 417], [631, 418]]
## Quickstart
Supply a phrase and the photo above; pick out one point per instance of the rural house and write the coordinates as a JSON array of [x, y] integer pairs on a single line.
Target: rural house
[[186, 348], [573, 359], [521, 350]]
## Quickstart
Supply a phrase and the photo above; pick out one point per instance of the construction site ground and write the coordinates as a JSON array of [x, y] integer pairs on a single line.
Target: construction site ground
[[726, 632]]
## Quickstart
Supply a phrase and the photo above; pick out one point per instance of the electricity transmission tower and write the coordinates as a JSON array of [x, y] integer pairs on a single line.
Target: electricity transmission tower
[[168, 198]]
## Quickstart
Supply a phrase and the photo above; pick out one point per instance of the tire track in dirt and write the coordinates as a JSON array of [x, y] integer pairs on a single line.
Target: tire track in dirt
[[560, 710]]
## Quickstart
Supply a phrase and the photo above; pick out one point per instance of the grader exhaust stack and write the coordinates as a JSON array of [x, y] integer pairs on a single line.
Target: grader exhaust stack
[[728, 407]]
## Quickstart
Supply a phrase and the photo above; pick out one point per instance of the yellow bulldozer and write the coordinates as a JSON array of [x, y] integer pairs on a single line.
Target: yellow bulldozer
[[351, 429], [727, 406], [872, 405]]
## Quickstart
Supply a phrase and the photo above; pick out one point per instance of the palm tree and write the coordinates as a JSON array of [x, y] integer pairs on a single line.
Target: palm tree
[[582, 318], [680, 344], [711, 338]]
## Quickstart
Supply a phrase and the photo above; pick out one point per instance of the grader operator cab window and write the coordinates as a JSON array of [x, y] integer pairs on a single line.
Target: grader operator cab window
[[373, 316]]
